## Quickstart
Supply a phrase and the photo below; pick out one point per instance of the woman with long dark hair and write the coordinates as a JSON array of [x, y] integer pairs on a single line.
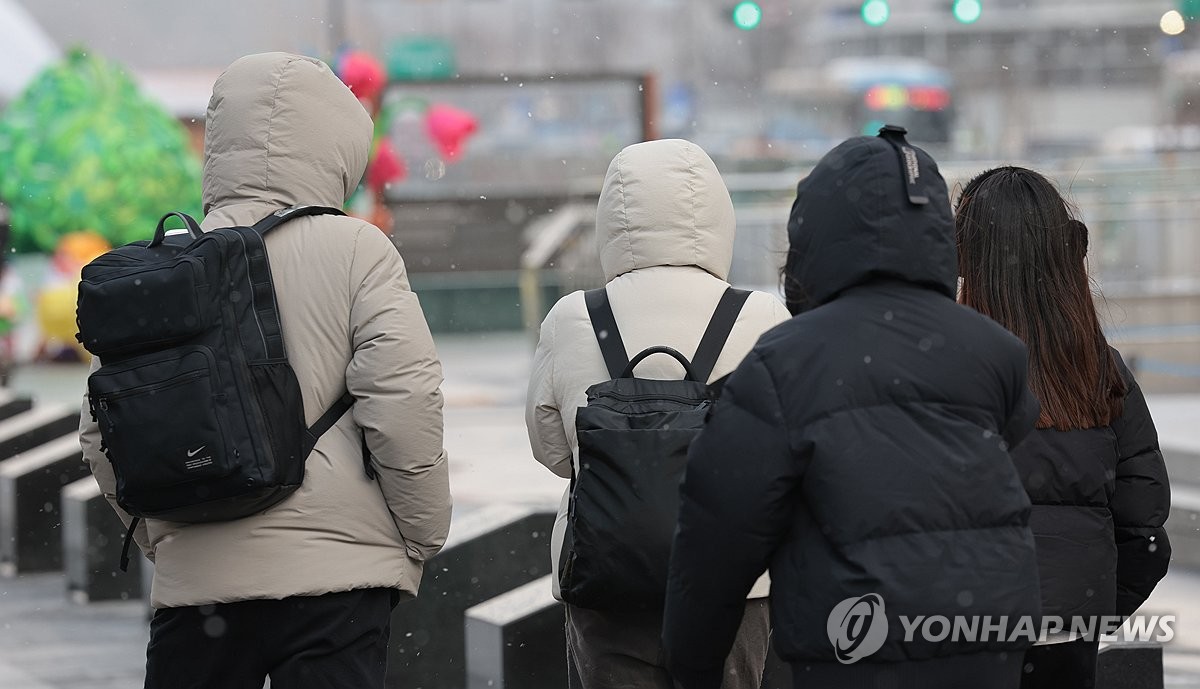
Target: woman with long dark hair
[[1093, 469]]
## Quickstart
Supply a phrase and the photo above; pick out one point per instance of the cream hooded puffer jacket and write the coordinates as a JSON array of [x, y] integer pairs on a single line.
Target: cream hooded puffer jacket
[[282, 130], [665, 228]]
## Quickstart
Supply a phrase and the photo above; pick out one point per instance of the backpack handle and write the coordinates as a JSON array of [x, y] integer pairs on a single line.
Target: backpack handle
[[689, 374], [160, 232]]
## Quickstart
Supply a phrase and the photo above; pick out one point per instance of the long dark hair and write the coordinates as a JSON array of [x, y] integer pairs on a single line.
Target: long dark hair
[[1021, 254]]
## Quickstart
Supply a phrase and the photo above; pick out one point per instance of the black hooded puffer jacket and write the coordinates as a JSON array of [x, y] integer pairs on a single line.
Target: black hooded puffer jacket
[[862, 448], [1091, 485]]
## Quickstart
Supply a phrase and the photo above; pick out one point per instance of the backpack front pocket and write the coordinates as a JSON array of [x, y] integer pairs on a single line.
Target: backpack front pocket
[[161, 420], [167, 302]]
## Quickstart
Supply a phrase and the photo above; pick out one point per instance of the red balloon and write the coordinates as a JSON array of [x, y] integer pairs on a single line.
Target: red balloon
[[386, 166], [363, 74], [449, 128]]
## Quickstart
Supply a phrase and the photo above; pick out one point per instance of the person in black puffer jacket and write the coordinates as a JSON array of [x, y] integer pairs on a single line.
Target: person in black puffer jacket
[[1093, 469], [861, 450]]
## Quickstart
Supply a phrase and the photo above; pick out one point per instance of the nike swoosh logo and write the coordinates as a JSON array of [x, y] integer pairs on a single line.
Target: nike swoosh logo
[[193, 453]]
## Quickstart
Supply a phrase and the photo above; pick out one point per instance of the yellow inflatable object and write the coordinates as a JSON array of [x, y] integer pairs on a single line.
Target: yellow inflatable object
[[56, 303], [56, 317], [77, 249]]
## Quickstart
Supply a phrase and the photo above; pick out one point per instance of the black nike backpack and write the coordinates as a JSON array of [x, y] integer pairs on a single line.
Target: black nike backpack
[[199, 411], [634, 435]]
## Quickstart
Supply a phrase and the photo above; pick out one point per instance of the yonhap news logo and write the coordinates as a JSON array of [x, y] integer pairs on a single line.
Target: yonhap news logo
[[857, 627]]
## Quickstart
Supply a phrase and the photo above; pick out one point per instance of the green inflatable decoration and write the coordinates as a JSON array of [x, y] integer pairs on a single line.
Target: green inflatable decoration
[[82, 149]]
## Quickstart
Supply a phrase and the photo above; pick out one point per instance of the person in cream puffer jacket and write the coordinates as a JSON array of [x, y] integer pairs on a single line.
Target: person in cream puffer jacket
[[664, 229], [303, 591]]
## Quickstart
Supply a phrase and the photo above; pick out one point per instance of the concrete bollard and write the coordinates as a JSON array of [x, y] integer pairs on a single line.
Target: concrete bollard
[[11, 405], [516, 640], [490, 551], [92, 536], [30, 504], [1183, 526], [1130, 666], [37, 426]]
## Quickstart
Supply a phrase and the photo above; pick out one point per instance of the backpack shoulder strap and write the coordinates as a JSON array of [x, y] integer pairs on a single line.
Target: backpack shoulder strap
[[607, 334], [330, 417], [719, 327], [259, 274], [327, 420], [285, 214]]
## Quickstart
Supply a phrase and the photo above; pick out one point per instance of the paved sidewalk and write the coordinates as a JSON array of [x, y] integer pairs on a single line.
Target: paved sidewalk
[[46, 642]]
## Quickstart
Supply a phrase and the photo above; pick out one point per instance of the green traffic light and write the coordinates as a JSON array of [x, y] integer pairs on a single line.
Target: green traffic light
[[747, 15], [875, 12], [967, 11]]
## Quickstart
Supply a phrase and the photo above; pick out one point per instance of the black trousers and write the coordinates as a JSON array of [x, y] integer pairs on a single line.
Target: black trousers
[[1069, 665], [321, 642]]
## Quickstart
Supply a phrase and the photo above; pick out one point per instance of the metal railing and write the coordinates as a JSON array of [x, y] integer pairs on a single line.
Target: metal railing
[[1143, 215], [559, 242]]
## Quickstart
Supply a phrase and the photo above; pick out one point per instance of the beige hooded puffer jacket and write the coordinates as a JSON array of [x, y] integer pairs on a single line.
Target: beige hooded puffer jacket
[[282, 130], [665, 228]]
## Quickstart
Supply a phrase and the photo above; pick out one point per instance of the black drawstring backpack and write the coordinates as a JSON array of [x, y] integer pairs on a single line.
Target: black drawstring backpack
[[634, 435]]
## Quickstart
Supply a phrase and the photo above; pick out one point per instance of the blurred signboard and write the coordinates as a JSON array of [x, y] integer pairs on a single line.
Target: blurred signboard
[[415, 59], [544, 136]]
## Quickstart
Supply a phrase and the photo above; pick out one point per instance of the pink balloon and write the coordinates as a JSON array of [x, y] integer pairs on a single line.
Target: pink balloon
[[385, 166], [449, 128], [363, 74]]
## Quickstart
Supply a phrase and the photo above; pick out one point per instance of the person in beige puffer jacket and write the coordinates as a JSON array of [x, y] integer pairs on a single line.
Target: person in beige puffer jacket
[[303, 591], [665, 229]]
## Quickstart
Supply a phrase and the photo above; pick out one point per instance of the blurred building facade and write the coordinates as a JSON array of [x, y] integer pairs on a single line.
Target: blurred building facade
[[1055, 83], [1029, 75], [1032, 76]]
